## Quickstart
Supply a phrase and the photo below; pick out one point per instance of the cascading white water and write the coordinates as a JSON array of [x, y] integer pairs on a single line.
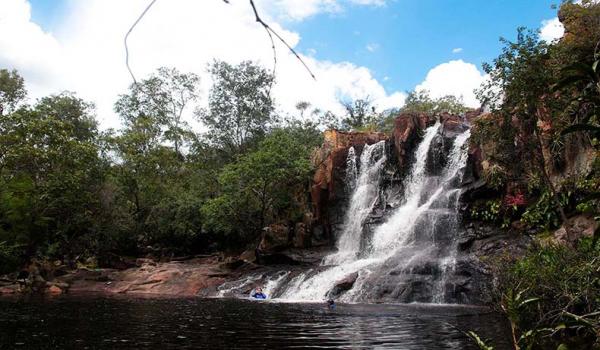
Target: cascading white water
[[351, 170], [404, 239], [394, 232], [364, 197]]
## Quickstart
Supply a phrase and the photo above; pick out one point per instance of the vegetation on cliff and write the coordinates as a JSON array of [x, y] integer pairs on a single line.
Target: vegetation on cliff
[[538, 148]]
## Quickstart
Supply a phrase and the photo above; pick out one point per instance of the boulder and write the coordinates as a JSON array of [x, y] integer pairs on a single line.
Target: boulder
[[275, 237], [343, 285]]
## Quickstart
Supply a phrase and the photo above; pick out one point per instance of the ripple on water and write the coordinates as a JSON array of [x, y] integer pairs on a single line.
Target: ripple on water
[[146, 323]]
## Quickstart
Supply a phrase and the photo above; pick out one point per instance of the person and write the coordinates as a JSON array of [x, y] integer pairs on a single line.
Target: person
[[258, 294], [331, 304]]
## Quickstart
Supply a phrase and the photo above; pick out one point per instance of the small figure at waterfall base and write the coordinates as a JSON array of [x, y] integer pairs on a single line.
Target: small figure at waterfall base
[[258, 294]]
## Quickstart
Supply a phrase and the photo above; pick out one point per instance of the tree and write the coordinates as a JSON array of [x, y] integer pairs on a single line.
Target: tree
[[50, 173], [258, 189], [240, 107], [12, 91], [421, 102], [161, 98], [302, 107], [359, 113]]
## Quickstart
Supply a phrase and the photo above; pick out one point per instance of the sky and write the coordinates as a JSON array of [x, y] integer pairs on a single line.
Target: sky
[[378, 49]]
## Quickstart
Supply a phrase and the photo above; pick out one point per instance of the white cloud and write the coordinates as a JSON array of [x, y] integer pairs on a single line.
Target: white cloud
[[551, 30], [457, 50], [372, 47], [25, 46], [298, 10], [456, 78], [86, 54]]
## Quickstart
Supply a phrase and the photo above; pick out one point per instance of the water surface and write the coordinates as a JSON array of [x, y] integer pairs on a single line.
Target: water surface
[[95, 322]]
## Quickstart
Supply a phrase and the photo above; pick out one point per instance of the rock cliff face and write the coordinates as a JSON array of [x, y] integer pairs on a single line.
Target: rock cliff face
[[328, 189], [498, 153], [328, 192]]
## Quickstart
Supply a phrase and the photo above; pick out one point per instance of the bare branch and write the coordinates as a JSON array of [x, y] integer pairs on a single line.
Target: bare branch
[[271, 31], [129, 32], [267, 28]]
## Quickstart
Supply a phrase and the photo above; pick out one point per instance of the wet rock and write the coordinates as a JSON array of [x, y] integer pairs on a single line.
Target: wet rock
[[343, 285], [54, 290], [453, 124], [248, 256], [9, 289], [295, 257], [406, 134], [328, 189], [144, 261]]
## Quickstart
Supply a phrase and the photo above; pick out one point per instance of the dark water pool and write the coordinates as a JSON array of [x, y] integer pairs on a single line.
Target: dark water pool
[[91, 322]]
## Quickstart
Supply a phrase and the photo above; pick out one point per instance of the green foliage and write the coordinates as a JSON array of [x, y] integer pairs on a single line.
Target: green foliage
[[481, 344], [70, 192], [9, 257], [12, 91], [552, 295], [587, 106], [543, 214], [240, 107], [154, 106], [360, 114], [421, 102], [489, 211], [261, 187], [50, 170]]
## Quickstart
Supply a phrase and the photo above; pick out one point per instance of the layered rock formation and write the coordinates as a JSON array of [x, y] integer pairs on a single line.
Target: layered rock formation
[[328, 188]]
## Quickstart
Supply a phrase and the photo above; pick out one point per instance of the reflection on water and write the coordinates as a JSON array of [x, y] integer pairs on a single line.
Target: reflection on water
[[89, 322]]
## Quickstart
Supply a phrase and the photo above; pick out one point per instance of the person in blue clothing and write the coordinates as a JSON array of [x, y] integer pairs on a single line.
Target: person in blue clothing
[[258, 294]]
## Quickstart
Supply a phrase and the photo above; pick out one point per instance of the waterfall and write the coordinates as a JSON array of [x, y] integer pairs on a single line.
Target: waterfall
[[363, 199], [411, 255]]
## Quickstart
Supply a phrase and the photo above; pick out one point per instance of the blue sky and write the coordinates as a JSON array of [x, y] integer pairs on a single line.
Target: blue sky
[[414, 36], [357, 48], [408, 38]]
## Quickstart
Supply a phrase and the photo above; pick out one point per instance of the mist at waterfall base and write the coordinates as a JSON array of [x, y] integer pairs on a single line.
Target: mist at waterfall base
[[128, 322], [400, 243]]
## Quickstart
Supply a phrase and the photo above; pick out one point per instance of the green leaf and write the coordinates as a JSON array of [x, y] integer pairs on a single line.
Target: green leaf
[[528, 301], [477, 340]]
